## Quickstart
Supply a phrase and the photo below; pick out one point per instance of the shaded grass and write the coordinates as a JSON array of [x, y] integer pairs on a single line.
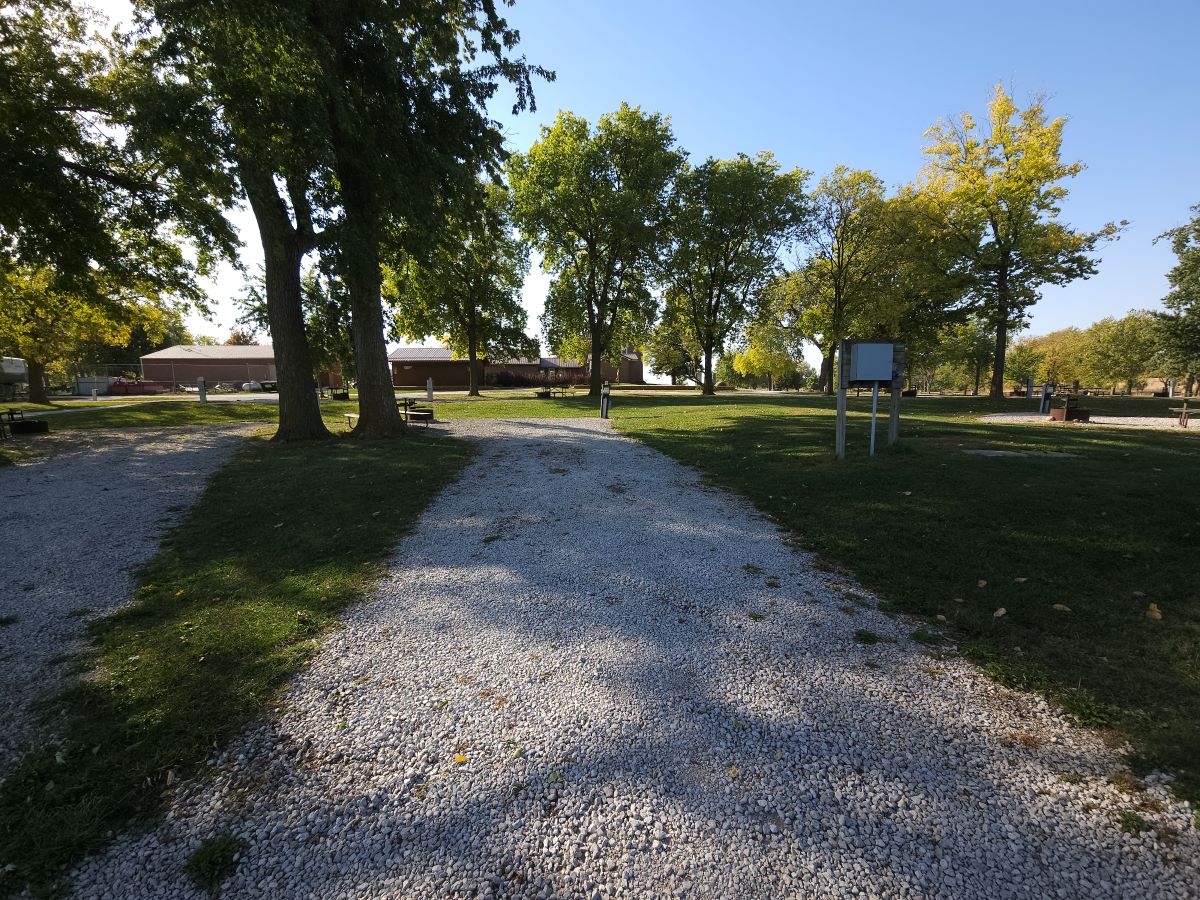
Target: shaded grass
[[283, 537], [1105, 533]]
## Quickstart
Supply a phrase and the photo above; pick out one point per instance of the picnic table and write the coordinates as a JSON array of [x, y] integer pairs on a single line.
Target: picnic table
[[1183, 413], [1070, 411], [414, 412]]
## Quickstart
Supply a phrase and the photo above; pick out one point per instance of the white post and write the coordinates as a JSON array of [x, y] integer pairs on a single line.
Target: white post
[[203, 390], [604, 399], [93, 393], [429, 389], [839, 435], [874, 412]]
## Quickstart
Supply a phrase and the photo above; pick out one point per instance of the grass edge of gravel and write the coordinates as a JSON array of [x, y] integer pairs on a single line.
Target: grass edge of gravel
[[223, 616], [953, 424]]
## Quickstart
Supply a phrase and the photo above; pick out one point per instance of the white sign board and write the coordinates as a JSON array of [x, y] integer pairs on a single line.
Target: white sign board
[[870, 362]]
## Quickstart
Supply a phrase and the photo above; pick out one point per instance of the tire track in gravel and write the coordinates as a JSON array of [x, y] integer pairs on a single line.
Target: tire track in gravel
[[591, 675]]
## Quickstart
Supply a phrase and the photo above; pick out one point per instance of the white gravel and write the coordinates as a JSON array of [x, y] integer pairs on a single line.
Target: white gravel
[[591, 675], [1153, 423], [74, 523]]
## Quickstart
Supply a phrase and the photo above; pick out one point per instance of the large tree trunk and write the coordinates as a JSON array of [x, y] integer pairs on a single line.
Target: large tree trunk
[[1191, 383], [36, 373], [377, 413], [709, 386], [596, 376], [997, 392], [827, 372], [283, 251], [473, 356]]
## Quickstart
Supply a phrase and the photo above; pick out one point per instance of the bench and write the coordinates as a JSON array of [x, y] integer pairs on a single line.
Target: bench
[[1183, 413], [1070, 411], [351, 418], [415, 413]]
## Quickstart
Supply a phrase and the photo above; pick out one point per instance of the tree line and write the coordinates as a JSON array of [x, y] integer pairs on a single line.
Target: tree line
[[358, 134]]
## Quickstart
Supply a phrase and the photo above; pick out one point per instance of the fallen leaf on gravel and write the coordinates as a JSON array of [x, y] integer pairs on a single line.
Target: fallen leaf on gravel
[[958, 600], [941, 618], [981, 583], [1153, 612], [1139, 594], [1000, 612], [1061, 607], [460, 758], [733, 772], [1020, 580]]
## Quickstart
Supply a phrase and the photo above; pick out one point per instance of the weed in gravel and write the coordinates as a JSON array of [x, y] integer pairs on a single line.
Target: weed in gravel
[[1131, 822], [210, 865], [924, 636], [867, 636], [9, 620], [756, 616], [1026, 739], [80, 612]]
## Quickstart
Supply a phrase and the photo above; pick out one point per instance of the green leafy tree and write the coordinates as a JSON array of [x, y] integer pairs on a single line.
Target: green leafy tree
[[845, 285], [467, 288], [1022, 362], [967, 353], [729, 220], [996, 197], [673, 348], [404, 87], [1180, 324], [594, 204], [1121, 351], [773, 354]]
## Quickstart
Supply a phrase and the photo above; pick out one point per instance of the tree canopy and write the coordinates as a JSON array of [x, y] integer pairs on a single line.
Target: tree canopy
[[593, 202], [729, 219], [996, 196]]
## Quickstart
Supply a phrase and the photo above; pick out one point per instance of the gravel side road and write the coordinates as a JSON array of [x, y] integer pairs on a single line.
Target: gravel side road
[[591, 675], [72, 527], [1151, 423]]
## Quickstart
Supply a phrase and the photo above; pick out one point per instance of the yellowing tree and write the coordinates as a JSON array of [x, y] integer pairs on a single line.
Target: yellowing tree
[[997, 196]]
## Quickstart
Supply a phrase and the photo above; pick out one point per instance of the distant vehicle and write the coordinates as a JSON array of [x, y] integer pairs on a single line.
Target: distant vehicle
[[13, 372]]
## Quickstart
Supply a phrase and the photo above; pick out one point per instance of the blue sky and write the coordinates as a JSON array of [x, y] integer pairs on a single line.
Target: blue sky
[[820, 84]]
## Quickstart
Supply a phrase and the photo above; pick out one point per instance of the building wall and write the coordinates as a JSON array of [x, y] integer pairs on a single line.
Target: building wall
[[453, 373], [186, 371]]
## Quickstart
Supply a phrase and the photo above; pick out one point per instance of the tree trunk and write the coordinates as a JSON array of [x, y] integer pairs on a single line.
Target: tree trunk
[[473, 356], [36, 373], [378, 416], [1191, 383], [997, 392], [596, 378], [710, 387], [978, 378], [827, 373], [283, 251]]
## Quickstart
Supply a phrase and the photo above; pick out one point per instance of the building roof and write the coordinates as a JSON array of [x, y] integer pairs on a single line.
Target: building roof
[[217, 352], [553, 362], [421, 354]]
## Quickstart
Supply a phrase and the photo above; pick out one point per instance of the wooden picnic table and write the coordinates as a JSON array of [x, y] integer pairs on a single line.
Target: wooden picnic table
[[1183, 413]]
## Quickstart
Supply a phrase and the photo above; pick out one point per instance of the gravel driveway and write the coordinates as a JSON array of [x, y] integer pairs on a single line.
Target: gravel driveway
[[72, 527], [589, 674]]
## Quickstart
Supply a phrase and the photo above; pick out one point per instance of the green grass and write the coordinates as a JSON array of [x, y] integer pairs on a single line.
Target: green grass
[[1105, 533], [283, 538]]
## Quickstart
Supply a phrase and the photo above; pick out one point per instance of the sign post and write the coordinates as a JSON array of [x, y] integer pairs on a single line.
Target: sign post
[[202, 388], [604, 400], [869, 362], [429, 389], [843, 375]]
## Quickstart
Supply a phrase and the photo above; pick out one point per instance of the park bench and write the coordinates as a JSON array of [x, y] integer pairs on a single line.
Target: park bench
[[415, 413], [1070, 411], [1183, 413], [351, 418]]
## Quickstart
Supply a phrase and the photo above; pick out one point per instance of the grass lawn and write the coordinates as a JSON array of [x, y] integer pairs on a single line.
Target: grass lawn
[[936, 531], [283, 537]]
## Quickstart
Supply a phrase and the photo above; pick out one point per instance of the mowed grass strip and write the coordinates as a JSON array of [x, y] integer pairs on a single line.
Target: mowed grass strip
[[1104, 533], [283, 537]]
